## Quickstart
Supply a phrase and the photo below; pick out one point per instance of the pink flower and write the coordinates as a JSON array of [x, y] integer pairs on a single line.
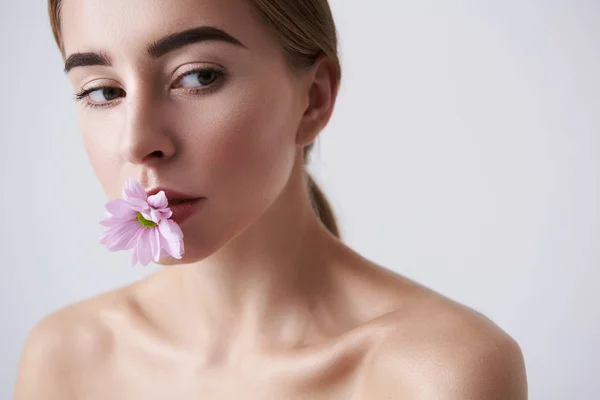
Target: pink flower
[[141, 222]]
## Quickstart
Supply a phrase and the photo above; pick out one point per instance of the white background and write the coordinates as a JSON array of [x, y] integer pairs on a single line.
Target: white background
[[464, 152]]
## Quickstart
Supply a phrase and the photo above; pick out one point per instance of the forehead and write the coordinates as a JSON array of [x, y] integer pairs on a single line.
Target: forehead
[[124, 27]]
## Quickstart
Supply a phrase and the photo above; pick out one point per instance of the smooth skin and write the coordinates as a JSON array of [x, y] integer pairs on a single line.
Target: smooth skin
[[265, 303]]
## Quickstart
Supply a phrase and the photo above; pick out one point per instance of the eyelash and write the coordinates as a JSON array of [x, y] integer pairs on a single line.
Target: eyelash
[[220, 75]]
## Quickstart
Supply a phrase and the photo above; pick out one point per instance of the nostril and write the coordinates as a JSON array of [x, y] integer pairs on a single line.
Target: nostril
[[154, 156]]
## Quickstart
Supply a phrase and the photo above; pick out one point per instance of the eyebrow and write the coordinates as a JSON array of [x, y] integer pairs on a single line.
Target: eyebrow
[[157, 48]]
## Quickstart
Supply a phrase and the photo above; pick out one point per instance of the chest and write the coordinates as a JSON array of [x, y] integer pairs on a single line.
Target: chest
[[130, 379]]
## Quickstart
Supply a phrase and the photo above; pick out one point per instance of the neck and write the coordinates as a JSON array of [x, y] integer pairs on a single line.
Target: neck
[[264, 286]]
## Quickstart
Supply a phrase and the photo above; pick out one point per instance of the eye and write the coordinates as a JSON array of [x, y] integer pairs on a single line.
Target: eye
[[203, 77], [198, 81], [109, 93], [100, 96]]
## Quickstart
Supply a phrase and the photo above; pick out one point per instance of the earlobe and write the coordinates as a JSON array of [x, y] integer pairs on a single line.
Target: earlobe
[[322, 87]]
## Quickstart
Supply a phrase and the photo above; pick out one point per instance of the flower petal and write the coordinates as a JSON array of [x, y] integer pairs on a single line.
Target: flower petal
[[170, 230], [111, 231], [119, 208], [122, 238], [144, 252], [133, 190], [172, 241], [154, 237], [155, 215], [112, 221], [138, 204], [158, 200], [134, 239], [173, 249], [159, 215]]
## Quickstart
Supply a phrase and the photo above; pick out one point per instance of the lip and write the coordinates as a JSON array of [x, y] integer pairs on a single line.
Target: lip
[[172, 194], [183, 211]]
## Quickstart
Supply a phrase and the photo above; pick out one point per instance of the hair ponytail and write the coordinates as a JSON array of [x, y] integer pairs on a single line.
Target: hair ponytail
[[322, 207], [319, 202]]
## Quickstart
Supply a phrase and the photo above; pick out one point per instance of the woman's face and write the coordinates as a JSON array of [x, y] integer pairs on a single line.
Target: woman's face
[[226, 133]]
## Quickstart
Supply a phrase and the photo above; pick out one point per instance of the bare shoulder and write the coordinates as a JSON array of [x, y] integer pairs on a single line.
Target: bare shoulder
[[436, 348], [62, 345]]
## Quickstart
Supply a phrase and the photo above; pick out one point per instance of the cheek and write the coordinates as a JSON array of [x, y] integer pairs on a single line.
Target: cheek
[[250, 143]]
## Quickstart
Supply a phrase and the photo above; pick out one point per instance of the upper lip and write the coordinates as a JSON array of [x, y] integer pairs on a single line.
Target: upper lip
[[172, 194]]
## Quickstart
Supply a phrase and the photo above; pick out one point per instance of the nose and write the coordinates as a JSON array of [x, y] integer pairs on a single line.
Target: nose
[[145, 138]]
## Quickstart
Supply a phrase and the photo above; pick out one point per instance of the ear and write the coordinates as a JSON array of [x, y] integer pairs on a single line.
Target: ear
[[322, 86]]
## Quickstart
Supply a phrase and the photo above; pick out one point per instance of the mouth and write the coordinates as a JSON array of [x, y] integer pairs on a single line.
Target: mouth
[[174, 197], [175, 202], [184, 209]]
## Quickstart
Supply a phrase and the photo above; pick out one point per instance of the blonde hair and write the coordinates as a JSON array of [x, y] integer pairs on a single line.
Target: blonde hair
[[305, 30]]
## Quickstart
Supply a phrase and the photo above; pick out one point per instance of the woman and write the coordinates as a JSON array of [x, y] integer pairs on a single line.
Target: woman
[[221, 100]]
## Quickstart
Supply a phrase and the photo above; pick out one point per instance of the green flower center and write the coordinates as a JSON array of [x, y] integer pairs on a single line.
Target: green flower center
[[144, 222]]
